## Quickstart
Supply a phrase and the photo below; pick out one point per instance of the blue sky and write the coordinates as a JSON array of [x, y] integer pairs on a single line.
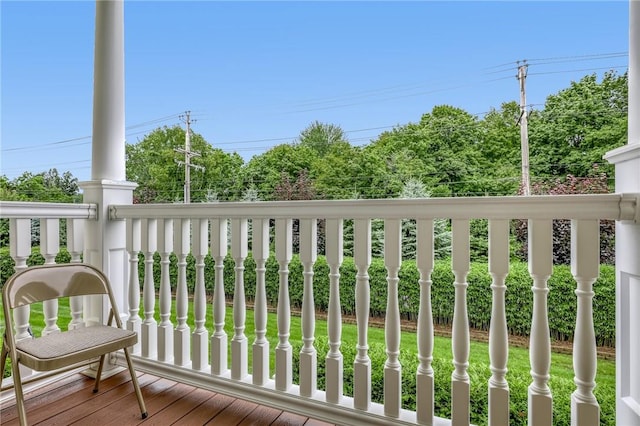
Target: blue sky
[[255, 74]]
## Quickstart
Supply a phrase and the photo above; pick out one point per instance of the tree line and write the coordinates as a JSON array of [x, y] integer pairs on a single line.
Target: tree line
[[448, 152]]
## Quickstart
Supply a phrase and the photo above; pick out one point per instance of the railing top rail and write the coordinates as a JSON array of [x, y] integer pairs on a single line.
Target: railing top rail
[[29, 210], [595, 206]]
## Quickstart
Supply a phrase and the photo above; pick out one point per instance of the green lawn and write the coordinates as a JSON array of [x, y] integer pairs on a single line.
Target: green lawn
[[518, 376]]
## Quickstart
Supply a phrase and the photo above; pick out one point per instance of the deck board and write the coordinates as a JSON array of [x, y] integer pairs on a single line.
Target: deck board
[[71, 401]]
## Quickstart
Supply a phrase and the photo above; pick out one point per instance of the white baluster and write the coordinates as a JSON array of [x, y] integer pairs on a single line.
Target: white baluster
[[260, 250], [540, 268], [460, 384], [219, 338], [585, 267], [49, 248], [20, 250], [134, 322], [308, 353], [362, 363], [149, 325], [75, 245], [239, 351], [392, 367], [334, 361], [284, 363], [498, 334], [181, 349], [200, 336], [424, 375], [165, 328]]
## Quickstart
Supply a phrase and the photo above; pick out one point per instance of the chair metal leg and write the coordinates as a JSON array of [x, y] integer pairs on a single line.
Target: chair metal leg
[[3, 359], [99, 373], [136, 386], [17, 387]]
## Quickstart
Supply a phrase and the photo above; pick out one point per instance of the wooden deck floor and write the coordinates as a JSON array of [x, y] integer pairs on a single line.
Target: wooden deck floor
[[72, 401]]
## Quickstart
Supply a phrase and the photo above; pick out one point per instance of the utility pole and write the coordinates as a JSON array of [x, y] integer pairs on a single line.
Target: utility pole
[[524, 133], [188, 154]]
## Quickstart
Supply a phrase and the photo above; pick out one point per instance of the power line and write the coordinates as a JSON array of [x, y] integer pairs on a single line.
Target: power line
[[81, 138]]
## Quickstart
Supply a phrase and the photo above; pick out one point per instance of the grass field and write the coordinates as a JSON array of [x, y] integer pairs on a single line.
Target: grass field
[[519, 378]]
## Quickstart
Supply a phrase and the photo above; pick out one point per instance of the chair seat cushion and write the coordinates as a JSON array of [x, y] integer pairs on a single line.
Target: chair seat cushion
[[59, 350]]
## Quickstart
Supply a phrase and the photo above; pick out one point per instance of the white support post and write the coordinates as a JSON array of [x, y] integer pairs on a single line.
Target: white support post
[[540, 268], [105, 239], [424, 374], [49, 248], [239, 342], [149, 324], [627, 163], [219, 337], [284, 355], [585, 267], [181, 244], [200, 336], [260, 251], [134, 244], [460, 383], [165, 327], [498, 332], [334, 379], [392, 367], [362, 363], [308, 353]]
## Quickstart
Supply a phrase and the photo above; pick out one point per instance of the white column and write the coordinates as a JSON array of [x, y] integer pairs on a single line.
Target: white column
[[362, 363], [460, 383], [627, 162], [334, 379], [239, 342], [107, 150], [498, 333], [540, 402], [219, 337], [424, 375], [585, 267], [284, 363], [165, 327], [308, 354], [105, 241], [260, 251]]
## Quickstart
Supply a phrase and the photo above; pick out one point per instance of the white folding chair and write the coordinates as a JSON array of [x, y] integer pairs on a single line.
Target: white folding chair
[[67, 348]]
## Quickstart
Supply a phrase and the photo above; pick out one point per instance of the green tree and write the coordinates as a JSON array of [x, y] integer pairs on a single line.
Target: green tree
[[153, 164], [321, 136], [578, 125], [265, 172], [499, 149], [441, 151]]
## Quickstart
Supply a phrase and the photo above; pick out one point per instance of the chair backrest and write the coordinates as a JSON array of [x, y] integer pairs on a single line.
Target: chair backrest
[[39, 283]]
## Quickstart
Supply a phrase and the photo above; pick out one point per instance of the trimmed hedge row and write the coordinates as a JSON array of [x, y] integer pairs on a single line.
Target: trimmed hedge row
[[519, 300], [479, 373]]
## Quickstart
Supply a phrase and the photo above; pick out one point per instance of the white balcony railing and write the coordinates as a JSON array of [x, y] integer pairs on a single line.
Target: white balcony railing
[[202, 228], [199, 356]]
